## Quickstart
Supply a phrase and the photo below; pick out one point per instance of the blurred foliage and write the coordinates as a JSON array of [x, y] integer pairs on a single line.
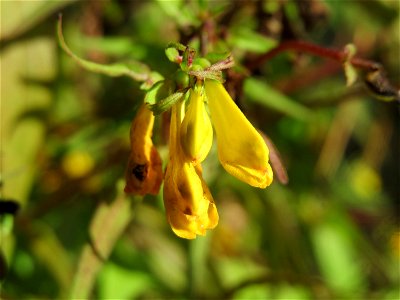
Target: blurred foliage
[[331, 233]]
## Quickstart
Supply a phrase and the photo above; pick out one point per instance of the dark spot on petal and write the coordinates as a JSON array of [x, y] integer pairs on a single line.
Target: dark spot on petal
[[184, 190], [140, 171], [187, 211]]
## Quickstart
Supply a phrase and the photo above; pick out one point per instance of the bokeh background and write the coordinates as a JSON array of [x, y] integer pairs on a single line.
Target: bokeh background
[[331, 233]]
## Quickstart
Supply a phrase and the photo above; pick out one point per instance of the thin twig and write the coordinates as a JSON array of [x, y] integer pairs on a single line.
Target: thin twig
[[302, 46]]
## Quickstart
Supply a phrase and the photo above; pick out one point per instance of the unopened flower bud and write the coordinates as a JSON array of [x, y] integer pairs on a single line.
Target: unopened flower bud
[[196, 132]]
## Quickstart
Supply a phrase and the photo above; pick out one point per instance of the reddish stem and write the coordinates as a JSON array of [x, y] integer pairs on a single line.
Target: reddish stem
[[302, 46]]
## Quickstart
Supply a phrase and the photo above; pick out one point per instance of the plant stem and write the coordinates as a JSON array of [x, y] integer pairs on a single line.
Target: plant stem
[[301, 46]]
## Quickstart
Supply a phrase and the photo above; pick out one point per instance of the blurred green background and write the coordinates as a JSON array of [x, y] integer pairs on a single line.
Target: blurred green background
[[331, 233]]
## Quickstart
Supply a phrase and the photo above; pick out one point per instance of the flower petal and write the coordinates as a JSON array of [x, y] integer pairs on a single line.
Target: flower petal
[[196, 131], [212, 212], [187, 212], [144, 172], [241, 149]]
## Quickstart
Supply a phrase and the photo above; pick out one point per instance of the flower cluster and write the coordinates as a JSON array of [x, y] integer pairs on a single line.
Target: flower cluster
[[189, 205]]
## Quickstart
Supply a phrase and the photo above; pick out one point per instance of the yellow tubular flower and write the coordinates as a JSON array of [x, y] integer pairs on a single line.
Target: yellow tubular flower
[[144, 172], [188, 203], [196, 132], [241, 149]]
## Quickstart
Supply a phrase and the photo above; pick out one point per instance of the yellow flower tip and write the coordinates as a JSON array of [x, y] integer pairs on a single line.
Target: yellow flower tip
[[241, 149], [188, 202], [196, 133], [144, 171], [259, 177], [189, 226]]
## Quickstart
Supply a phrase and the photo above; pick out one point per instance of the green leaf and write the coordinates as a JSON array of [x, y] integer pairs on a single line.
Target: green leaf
[[249, 40], [118, 46], [337, 258], [254, 291], [136, 70], [158, 91], [172, 54], [50, 252], [236, 270], [260, 92], [182, 13], [17, 17], [119, 283], [23, 137], [108, 223]]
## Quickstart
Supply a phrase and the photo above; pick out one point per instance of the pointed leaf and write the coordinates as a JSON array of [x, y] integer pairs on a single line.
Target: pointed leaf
[[260, 92], [252, 41]]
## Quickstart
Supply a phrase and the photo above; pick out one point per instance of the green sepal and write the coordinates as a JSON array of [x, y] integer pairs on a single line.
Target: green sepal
[[166, 103], [159, 97]]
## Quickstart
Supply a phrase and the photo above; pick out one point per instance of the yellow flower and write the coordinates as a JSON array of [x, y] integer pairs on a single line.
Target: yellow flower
[[188, 203], [241, 149], [78, 164], [144, 172], [196, 131]]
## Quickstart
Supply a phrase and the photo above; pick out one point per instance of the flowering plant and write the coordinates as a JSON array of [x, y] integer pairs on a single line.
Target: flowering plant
[[242, 151]]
